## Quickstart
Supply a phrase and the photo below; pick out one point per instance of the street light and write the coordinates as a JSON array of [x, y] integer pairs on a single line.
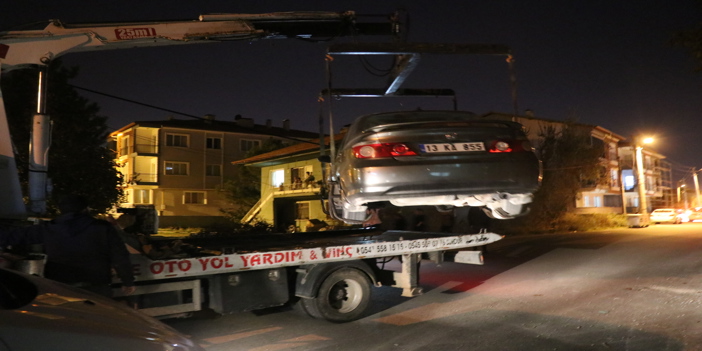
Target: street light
[[643, 206]]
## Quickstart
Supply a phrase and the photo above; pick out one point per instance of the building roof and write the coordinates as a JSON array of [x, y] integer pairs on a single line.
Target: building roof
[[301, 150], [240, 125], [534, 118]]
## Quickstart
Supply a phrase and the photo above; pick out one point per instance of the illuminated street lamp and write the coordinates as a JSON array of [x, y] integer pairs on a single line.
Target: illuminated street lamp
[[643, 206]]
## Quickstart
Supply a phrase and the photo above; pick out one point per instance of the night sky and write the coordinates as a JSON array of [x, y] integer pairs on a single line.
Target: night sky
[[605, 63]]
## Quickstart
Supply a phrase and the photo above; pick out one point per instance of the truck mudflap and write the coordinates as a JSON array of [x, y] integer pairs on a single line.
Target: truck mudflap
[[389, 243]]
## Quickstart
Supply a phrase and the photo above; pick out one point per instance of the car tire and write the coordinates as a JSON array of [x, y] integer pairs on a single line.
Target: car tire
[[343, 296]]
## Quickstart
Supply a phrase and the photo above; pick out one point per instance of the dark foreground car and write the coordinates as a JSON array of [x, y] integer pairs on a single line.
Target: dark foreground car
[[40, 314], [439, 158]]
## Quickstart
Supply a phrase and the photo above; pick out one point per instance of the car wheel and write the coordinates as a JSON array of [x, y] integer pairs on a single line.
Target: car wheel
[[343, 296]]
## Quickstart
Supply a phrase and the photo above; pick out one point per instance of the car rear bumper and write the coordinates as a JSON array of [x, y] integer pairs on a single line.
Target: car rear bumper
[[518, 174], [663, 220]]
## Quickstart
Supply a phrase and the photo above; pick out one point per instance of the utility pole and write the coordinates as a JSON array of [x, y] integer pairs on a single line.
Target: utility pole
[[621, 189], [641, 178], [697, 187]]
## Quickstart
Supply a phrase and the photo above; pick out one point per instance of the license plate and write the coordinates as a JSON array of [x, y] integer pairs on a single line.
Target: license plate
[[452, 147]]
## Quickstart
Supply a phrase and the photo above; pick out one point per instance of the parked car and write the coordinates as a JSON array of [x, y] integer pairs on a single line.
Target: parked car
[[694, 215], [40, 314], [666, 215], [684, 215], [436, 158]]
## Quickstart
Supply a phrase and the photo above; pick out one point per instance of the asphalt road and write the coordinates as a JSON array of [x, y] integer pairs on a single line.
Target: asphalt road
[[627, 289]]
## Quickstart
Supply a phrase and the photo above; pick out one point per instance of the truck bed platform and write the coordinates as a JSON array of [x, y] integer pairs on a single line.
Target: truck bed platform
[[252, 252]]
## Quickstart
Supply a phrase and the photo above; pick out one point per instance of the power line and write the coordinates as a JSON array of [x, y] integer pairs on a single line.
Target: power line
[[183, 113]]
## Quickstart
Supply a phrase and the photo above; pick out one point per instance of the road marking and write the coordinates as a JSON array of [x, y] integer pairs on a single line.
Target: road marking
[[290, 343], [227, 338], [675, 290], [419, 314], [415, 315]]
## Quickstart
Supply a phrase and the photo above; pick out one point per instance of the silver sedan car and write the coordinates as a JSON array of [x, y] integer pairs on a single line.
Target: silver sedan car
[[41, 314], [439, 158]]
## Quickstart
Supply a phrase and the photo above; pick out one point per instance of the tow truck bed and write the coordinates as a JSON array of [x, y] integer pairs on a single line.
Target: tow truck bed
[[329, 274], [251, 252]]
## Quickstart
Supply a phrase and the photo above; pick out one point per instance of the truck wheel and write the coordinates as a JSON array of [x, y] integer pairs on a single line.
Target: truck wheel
[[343, 297]]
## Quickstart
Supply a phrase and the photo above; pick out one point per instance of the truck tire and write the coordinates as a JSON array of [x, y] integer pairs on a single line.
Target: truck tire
[[343, 296]]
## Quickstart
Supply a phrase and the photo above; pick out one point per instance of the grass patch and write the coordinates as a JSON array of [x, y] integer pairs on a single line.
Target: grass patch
[[568, 222]]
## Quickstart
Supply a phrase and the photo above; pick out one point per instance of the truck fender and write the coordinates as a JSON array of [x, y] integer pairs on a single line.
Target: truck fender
[[310, 277]]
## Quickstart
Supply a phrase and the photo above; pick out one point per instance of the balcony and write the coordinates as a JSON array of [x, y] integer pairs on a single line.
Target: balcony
[[142, 179], [290, 189], [125, 151], [147, 149]]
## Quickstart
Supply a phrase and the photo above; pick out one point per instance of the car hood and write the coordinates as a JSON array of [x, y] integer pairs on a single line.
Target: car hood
[[64, 318]]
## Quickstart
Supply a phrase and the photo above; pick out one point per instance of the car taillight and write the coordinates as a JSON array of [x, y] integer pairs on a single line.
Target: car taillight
[[509, 146], [500, 146], [382, 150]]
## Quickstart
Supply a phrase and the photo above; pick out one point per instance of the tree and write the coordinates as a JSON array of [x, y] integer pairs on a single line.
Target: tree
[[243, 190], [570, 161], [79, 162]]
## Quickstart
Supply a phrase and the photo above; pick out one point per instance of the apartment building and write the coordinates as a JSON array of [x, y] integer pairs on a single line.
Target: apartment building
[[179, 166], [658, 178], [617, 164]]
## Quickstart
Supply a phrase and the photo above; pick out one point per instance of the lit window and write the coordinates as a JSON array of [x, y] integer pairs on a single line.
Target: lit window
[[142, 196], [125, 146], [277, 177], [176, 168]]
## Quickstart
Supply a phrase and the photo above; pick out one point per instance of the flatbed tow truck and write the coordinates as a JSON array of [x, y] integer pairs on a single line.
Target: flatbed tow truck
[[330, 275]]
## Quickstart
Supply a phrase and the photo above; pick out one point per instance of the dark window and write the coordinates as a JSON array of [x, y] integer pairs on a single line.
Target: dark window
[[213, 170], [247, 145], [302, 210], [214, 143], [177, 140], [191, 197]]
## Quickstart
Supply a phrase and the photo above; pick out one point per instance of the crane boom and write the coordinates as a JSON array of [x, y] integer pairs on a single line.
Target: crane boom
[[32, 47], [19, 48]]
